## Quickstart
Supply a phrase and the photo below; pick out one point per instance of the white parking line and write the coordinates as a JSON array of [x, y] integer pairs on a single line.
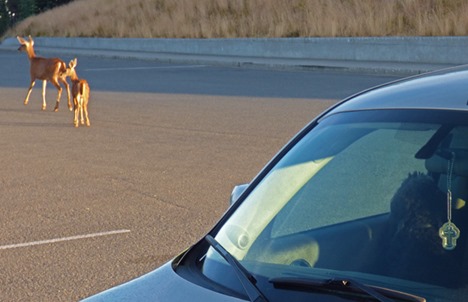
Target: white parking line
[[144, 68], [27, 244]]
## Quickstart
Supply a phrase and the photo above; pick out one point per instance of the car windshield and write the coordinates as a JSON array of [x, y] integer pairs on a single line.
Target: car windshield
[[375, 196]]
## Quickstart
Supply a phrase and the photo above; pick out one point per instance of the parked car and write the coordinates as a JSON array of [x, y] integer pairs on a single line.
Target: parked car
[[366, 203]]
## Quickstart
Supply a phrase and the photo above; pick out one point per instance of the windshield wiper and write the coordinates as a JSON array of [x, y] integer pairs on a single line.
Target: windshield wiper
[[248, 281], [340, 285]]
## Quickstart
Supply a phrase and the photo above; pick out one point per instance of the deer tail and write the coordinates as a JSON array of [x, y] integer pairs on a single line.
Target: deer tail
[[84, 90]]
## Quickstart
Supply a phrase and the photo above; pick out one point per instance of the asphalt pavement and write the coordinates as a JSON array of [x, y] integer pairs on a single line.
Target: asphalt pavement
[[374, 67], [258, 61]]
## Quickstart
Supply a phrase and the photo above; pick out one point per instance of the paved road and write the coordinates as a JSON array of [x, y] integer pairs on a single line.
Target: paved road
[[85, 209], [153, 77]]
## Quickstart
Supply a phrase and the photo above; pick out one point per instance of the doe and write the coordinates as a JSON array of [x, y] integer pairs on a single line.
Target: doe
[[45, 69]]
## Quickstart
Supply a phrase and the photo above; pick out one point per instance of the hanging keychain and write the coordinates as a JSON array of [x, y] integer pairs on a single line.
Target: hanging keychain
[[449, 232]]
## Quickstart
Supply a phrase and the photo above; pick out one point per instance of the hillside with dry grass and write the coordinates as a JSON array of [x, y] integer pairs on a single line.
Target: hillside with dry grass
[[249, 18]]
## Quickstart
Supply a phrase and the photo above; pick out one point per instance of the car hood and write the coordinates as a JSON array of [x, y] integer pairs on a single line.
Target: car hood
[[162, 284]]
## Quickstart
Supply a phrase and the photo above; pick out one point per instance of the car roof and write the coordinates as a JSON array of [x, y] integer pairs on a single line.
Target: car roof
[[444, 89]]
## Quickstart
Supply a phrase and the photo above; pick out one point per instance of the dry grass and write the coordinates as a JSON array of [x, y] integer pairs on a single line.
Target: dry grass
[[249, 18]]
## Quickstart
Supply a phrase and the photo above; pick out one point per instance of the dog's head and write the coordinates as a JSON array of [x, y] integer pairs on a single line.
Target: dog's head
[[418, 210]]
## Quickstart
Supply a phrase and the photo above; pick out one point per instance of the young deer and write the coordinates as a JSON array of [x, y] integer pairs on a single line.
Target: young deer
[[80, 92], [45, 69]]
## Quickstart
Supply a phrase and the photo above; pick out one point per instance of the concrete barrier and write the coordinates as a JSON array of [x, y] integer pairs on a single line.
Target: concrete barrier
[[443, 50], [401, 50]]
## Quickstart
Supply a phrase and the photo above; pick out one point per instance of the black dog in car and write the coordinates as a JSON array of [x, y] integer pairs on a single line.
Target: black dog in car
[[410, 246]]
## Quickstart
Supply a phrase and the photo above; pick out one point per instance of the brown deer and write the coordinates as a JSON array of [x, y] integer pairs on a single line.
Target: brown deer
[[45, 69], [80, 92]]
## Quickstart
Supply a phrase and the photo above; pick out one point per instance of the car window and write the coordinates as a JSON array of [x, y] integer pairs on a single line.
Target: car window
[[365, 175]]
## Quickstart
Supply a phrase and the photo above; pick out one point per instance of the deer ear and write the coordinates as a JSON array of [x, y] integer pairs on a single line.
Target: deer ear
[[75, 61], [21, 40], [72, 63], [31, 40]]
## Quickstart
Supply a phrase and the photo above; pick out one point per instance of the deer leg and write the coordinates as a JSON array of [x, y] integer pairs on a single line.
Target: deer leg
[[81, 110], [31, 85], [44, 85], [75, 119], [59, 94], [64, 81], [85, 107]]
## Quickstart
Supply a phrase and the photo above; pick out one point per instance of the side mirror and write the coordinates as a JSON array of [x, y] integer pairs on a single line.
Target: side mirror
[[237, 192]]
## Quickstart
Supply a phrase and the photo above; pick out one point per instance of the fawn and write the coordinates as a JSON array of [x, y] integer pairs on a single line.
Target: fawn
[[45, 69], [80, 92]]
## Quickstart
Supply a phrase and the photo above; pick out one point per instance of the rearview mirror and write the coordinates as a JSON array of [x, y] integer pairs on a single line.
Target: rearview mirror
[[237, 192]]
